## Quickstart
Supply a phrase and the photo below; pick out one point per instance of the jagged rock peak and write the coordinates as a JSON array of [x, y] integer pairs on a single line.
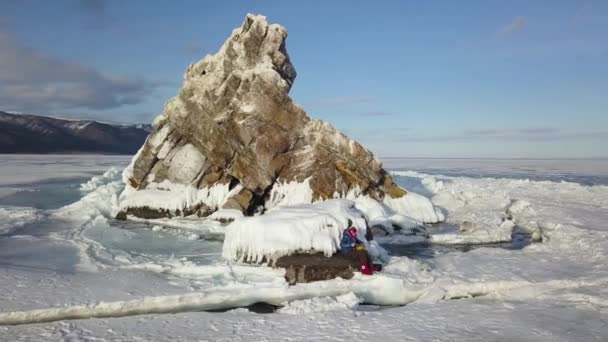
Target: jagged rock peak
[[256, 49], [233, 139]]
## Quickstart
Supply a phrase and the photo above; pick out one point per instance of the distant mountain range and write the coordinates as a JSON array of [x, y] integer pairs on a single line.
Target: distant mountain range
[[21, 133]]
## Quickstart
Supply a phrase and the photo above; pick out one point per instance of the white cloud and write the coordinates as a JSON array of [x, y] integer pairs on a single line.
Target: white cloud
[[33, 81]]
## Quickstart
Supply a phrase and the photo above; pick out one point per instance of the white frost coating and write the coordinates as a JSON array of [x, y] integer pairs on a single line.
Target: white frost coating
[[174, 197], [308, 227], [292, 193], [415, 206]]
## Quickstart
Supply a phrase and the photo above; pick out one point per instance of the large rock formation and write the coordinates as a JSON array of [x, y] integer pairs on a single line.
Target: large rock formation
[[233, 139]]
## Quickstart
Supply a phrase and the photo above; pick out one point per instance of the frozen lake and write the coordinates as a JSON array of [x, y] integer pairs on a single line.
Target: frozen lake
[[583, 171], [59, 246]]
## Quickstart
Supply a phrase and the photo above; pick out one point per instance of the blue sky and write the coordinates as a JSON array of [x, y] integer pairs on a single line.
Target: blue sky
[[406, 78]]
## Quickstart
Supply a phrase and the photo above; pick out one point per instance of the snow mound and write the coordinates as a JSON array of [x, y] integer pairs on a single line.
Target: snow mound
[[113, 174], [101, 201], [376, 213], [302, 228], [410, 209], [379, 214], [320, 304], [525, 218], [415, 206], [101, 198]]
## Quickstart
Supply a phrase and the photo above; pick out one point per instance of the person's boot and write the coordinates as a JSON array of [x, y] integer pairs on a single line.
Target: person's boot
[[366, 270]]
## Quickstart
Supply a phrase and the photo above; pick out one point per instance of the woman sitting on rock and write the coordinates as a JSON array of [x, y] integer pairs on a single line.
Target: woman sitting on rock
[[352, 248]]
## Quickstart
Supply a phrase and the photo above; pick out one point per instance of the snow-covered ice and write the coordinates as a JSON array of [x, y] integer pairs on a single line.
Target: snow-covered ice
[[12, 218], [111, 175], [415, 206], [319, 304], [76, 261]]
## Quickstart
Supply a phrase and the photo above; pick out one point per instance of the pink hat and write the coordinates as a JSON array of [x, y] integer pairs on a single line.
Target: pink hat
[[352, 231]]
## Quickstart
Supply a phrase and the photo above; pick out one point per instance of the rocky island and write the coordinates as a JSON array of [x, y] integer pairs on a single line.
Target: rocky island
[[233, 145], [235, 137]]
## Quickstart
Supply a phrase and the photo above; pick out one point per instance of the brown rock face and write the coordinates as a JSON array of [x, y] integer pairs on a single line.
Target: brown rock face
[[306, 268], [233, 122]]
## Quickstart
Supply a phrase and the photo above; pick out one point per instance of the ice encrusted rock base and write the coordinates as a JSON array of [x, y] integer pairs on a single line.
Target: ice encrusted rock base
[[310, 228], [305, 228], [309, 267]]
